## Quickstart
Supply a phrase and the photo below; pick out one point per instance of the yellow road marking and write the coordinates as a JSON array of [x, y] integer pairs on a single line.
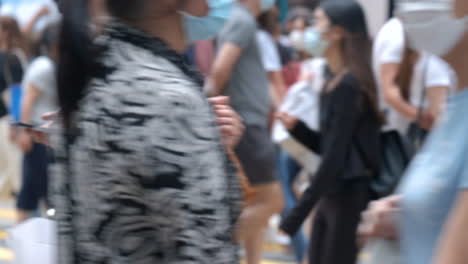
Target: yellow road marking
[[3, 235], [9, 214], [275, 248]]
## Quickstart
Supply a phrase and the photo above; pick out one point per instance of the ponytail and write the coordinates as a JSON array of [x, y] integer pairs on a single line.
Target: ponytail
[[77, 57]]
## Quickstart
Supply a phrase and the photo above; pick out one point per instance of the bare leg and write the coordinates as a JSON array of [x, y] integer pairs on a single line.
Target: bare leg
[[267, 202]]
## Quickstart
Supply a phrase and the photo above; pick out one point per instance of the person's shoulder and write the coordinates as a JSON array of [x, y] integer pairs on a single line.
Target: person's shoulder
[[393, 25], [38, 69], [241, 16], [349, 79], [349, 83], [41, 63], [262, 35], [391, 31], [435, 61]]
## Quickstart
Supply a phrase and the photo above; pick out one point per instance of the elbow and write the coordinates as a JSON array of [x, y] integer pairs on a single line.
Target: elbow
[[389, 98], [393, 98]]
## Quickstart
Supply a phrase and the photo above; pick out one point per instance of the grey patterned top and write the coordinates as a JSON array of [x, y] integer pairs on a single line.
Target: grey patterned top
[[148, 180]]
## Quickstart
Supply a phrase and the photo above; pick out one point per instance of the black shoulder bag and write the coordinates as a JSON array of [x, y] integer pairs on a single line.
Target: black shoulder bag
[[397, 151]]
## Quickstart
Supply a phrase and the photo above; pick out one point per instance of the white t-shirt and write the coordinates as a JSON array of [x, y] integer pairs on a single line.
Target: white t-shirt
[[430, 71], [270, 55], [389, 47], [41, 74]]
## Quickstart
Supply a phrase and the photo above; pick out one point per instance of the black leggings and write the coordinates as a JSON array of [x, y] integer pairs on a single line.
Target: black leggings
[[333, 238]]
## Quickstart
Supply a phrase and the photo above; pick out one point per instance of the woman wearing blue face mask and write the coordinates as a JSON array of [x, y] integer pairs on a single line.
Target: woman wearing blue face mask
[[142, 175], [348, 140], [431, 209]]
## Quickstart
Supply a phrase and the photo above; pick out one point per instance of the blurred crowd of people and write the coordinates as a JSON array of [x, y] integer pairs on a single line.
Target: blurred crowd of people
[[173, 131]]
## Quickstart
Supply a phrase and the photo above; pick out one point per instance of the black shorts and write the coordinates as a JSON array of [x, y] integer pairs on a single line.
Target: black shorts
[[257, 154], [35, 178]]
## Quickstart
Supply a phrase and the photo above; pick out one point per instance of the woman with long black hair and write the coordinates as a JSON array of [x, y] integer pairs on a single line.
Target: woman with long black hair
[[142, 175], [348, 140]]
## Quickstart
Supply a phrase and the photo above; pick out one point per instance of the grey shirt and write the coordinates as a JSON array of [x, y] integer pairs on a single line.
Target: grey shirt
[[248, 85]]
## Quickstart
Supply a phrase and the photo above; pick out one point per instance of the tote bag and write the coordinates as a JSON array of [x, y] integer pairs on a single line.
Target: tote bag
[[302, 101], [34, 241]]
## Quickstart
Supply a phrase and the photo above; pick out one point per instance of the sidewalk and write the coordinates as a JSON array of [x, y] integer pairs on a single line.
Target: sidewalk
[[7, 220]]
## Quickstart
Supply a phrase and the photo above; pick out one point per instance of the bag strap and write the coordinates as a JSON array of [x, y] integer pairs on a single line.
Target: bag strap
[[423, 85], [248, 191]]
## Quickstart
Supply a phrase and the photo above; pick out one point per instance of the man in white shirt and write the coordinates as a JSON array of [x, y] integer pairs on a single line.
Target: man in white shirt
[[428, 83]]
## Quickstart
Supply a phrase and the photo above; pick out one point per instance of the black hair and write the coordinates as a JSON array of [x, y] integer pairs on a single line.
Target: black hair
[[50, 37], [269, 20], [78, 54], [356, 46], [347, 14], [76, 57]]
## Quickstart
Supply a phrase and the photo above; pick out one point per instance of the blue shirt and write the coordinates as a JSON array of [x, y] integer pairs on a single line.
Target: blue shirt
[[433, 182]]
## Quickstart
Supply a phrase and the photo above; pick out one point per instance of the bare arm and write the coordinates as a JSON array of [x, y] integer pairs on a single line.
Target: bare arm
[[437, 97], [453, 247], [24, 139], [394, 98], [277, 86], [392, 94], [222, 68], [28, 27]]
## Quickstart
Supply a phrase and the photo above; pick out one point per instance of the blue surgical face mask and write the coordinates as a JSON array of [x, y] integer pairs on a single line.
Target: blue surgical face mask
[[201, 28], [267, 5], [314, 44]]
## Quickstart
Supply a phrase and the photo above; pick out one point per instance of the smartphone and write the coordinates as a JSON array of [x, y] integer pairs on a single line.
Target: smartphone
[[19, 124]]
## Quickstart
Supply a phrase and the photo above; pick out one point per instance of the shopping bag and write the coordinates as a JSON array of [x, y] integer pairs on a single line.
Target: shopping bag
[[302, 101], [34, 242]]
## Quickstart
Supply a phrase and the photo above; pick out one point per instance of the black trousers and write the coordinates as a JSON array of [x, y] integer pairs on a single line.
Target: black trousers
[[35, 178], [333, 238]]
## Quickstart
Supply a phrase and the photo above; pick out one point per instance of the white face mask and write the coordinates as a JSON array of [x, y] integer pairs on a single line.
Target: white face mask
[[296, 39], [431, 26]]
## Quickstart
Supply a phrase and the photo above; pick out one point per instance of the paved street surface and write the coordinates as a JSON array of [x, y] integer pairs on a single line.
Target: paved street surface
[[7, 216], [275, 253]]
